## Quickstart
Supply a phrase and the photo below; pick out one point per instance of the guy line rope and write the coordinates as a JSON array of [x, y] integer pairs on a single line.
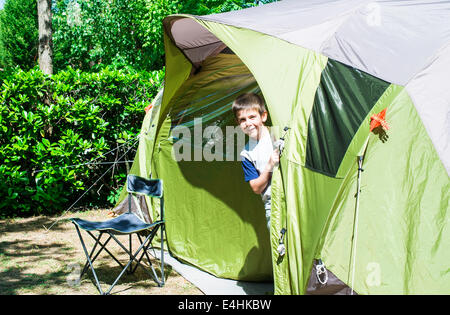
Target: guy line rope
[[92, 162]]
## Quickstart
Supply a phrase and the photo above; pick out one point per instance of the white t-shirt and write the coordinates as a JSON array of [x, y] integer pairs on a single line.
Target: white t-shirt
[[257, 154]]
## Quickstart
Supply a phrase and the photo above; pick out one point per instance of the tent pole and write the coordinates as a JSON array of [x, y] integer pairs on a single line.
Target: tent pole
[[355, 224]]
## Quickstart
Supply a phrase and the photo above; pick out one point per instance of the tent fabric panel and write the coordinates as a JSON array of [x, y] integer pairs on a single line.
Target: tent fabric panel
[[178, 69], [392, 40], [147, 136], [281, 19], [343, 99], [192, 39], [278, 219], [404, 202], [213, 220], [309, 68], [431, 96], [308, 197]]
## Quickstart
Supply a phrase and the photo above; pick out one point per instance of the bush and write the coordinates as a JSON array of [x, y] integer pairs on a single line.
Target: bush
[[19, 34], [53, 128]]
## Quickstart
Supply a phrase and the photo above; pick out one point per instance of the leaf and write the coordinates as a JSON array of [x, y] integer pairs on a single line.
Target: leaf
[[46, 142]]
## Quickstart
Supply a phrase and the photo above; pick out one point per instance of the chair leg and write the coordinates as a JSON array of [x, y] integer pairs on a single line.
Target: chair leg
[[86, 265], [103, 247], [163, 278], [162, 256], [89, 260], [130, 270], [144, 252], [160, 282], [133, 258]]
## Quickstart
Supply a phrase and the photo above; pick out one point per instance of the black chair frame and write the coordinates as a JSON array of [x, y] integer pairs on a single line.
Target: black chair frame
[[118, 226]]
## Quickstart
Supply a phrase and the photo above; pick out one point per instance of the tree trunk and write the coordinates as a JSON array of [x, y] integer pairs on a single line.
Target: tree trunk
[[45, 36]]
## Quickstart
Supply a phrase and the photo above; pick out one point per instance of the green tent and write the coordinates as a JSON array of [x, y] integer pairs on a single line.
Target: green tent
[[364, 207]]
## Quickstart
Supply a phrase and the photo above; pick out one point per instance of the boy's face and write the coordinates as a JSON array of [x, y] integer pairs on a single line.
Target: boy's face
[[251, 122]]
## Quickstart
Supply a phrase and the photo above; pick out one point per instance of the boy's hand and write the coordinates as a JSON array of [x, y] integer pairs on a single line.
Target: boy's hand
[[279, 144], [274, 160]]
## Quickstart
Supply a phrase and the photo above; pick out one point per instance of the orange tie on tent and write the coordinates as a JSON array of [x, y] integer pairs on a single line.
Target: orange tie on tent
[[378, 120], [148, 107]]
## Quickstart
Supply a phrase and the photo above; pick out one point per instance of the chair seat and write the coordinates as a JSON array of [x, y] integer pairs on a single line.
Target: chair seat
[[125, 223]]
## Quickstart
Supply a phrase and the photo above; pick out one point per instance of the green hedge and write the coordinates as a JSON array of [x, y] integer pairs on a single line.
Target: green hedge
[[55, 130]]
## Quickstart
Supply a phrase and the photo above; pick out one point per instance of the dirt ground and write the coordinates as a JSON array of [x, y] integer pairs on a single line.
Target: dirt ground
[[36, 260]]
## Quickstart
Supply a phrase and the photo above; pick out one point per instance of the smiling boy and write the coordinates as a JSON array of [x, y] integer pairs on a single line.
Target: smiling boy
[[258, 157]]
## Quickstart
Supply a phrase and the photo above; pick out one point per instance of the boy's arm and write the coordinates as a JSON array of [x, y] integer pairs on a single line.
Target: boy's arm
[[259, 184]]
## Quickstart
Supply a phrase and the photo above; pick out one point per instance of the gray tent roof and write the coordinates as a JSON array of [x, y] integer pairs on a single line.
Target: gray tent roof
[[402, 42]]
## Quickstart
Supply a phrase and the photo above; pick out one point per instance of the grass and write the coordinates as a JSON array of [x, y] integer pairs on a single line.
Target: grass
[[37, 261]]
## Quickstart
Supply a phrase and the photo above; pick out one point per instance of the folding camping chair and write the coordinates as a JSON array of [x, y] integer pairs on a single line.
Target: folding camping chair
[[127, 224]]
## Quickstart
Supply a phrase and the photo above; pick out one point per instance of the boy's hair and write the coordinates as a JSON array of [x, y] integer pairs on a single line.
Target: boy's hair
[[247, 101]]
